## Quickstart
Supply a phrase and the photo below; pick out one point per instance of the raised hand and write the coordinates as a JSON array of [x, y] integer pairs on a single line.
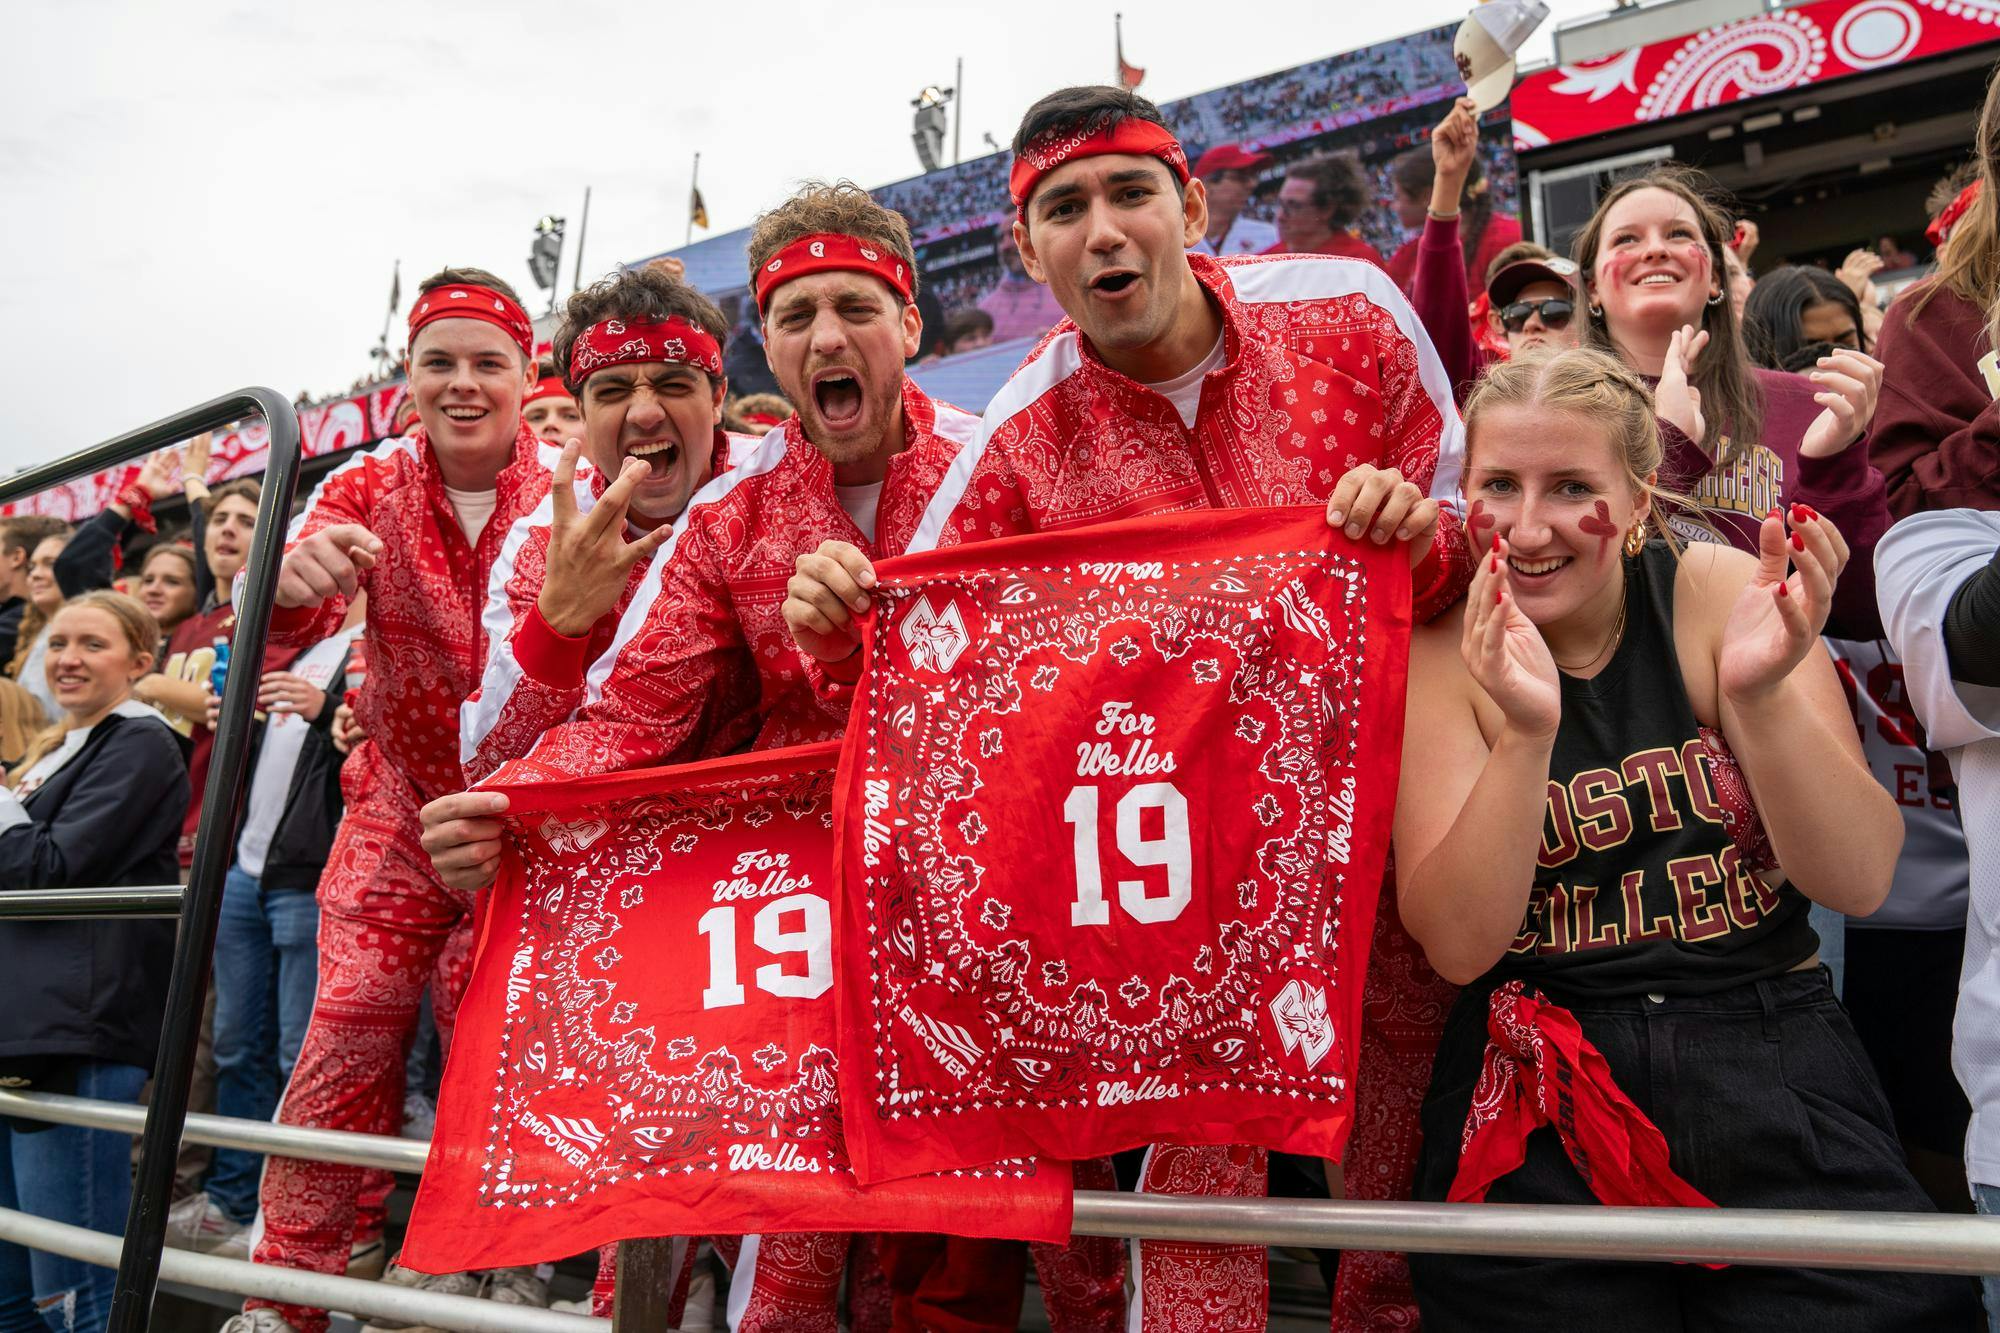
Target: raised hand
[[156, 474], [1505, 651], [590, 562], [1857, 273], [1377, 503], [1849, 384], [1675, 398], [1454, 143], [1777, 619], [826, 598], [327, 564], [194, 463]]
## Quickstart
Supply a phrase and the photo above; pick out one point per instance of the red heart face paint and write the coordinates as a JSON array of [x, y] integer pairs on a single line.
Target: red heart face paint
[[1477, 521], [1600, 526]]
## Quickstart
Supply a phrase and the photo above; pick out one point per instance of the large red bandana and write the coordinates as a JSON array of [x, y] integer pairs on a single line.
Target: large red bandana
[[1114, 807], [1130, 135], [646, 1047], [470, 301], [547, 387], [618, 342], [826, 252]]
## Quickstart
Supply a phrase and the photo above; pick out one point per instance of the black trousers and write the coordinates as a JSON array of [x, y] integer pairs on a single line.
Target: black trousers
[[1766, 1100]]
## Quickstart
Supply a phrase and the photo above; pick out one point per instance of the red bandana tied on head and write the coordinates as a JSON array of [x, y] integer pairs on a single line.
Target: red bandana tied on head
[[547, 387], [1940, 229], [471, 301], [617, 342], [1130, 135], [828, 252]]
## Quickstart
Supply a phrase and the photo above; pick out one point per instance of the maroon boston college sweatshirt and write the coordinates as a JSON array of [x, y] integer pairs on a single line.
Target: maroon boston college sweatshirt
[[1845, 488], [1937, 428]]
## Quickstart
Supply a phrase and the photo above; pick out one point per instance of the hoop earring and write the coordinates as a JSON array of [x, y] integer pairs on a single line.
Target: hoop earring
[[1635, 539], [1715, 299], [1596, 311]]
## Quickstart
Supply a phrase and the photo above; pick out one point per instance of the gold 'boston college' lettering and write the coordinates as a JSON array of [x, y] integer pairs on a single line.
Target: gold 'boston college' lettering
[[1712, 895], [1594, 808], [1597, 810]]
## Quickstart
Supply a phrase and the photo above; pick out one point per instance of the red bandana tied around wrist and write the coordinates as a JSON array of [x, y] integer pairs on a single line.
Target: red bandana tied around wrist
[[617, 342], [828, 252], [546, 387], [1130, 135], [1940, 229], [471, 301], [1540, 1070], [140, 501]]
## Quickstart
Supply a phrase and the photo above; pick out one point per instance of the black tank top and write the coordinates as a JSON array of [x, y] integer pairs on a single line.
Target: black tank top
[[1639, 886]]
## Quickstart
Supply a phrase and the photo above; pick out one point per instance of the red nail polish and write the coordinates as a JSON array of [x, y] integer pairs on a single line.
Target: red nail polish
[[1810, 511], [1496, 543], [1800, 513], [1777, 512], [1798, 542], [1783, 591], [1496, 597], [1493, 565]]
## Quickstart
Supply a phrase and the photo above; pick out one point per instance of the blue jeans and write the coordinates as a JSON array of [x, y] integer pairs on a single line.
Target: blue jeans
[[79, 1176], [1986, 1198], [1831, 927], [266, 970]]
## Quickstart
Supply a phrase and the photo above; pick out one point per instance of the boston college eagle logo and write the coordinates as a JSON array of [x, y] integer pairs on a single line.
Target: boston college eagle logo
[[935, 639], [1300, 1013]]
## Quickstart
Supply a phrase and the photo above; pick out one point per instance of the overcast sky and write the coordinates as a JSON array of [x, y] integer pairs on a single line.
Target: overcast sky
[[199, 196]]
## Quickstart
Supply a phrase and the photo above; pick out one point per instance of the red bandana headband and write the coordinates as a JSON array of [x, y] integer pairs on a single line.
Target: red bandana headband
[[1940, 229], [617, 342], [1130, 135], [546, 387], [470, 301], [828, 252]]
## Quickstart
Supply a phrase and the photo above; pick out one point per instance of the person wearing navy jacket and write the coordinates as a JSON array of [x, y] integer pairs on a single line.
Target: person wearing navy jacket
[[97, 800]]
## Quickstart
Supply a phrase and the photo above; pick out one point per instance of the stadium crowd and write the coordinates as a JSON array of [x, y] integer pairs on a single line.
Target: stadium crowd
[[1743, 519]]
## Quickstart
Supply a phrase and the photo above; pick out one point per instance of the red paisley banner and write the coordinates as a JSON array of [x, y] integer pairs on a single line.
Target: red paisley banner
[[326, 429], [1787, 48], [647, 1044], [1114, 807]]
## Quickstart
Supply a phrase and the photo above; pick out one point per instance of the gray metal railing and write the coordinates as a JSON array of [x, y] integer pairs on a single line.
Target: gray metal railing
[[228, 774], [141, 900], [293, 1286], [1891, 1242]]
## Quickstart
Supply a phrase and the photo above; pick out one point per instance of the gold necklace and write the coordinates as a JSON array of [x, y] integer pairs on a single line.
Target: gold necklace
[[1610, 644]]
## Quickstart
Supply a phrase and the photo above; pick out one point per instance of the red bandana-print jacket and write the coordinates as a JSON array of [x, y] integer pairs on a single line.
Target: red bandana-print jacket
[[702, 662], [1325, 367], [425, 647], [534, 676]]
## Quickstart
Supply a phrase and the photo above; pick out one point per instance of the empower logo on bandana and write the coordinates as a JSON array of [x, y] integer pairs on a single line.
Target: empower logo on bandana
[[1115, 806]]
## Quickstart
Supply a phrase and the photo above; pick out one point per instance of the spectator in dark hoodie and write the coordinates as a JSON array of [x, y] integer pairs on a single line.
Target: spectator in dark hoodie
[[97, 801]]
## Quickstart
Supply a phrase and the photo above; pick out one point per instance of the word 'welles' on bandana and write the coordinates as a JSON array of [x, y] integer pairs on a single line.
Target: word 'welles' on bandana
[[1114, 809], [647, 1044]]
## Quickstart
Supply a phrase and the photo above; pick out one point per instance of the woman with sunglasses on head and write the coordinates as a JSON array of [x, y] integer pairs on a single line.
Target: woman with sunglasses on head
[[1530, 293], [1740, 440]]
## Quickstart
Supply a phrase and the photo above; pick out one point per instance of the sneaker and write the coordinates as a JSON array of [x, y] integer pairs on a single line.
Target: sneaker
[[196, 1223], [516, 1286], [444, 1284], [257, 1321], [365, 1259], [419, 1116], [581, 1305]]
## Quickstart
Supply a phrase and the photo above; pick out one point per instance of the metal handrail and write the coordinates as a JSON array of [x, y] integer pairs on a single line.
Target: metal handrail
[[298, 1286], [1887, 1242], [228, 773], [124, 901]]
